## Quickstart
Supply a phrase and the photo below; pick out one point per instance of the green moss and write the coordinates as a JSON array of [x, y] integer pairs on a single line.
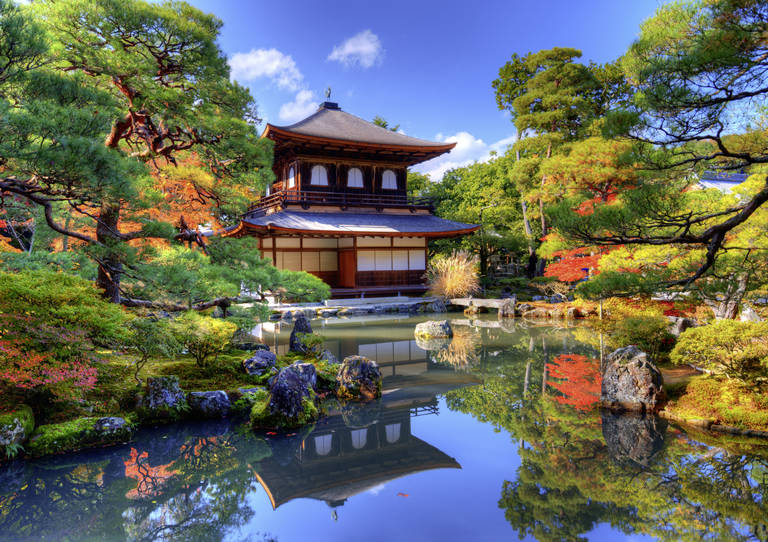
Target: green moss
[[71, 436], [248, 400], [326, 376], [262, 418]]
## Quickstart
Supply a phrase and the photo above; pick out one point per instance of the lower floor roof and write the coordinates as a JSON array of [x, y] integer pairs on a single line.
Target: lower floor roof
[[343, 223]]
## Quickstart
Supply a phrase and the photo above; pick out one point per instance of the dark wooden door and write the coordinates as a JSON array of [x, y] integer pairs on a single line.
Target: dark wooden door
[[347, 268]]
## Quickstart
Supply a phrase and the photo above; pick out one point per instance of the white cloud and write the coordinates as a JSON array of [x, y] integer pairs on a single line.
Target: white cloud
[[271, 63], [302, 106], [363, 49], [468, 149]]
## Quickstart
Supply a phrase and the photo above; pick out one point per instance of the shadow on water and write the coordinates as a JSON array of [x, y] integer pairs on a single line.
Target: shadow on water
[[579, 469]]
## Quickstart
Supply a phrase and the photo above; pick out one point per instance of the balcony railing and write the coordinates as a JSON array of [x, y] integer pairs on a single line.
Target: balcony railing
[[342, 199]]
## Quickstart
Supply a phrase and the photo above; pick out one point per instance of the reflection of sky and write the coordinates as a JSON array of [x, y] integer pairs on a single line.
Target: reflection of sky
[[445, 504]]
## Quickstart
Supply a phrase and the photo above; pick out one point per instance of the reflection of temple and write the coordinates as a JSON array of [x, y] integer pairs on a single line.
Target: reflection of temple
[[387, 340], [351, 452]]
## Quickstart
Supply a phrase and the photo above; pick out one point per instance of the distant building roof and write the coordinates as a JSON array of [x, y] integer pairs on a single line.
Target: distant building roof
[[330, 122], [340, 223], [721, 180]]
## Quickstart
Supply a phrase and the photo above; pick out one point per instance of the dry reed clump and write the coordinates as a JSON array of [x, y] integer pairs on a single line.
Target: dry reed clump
[[453, 276]]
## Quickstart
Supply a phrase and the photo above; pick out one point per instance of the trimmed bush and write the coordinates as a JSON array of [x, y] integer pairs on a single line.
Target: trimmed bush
[[736, 349], [203, 336]]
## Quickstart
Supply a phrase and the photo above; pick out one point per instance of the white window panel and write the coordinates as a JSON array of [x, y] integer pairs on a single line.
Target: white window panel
[[266, 242], [355, 178], [393, 432], [329, 261], [291, 177], [359, 438], [319, 176], [365, 261], [399, 260], [383, 260], [416, 260], [388, 180], [310, 261], [323, 443], [292, 261], [346, 242]]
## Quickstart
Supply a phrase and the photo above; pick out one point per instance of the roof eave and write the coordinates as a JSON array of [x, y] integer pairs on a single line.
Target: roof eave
[[270, 131]]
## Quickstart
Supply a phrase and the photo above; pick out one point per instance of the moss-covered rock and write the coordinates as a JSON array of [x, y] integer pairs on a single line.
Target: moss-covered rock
[[162, 401], [15, 429], [263, 417], [78, 434], [290, 404], [358, 378]]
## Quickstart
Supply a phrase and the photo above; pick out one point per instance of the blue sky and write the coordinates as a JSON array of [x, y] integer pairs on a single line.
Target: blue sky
[[423, 64]]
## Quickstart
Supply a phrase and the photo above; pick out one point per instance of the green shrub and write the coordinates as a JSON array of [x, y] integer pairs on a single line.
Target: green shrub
[[736, 349], [203, 336], [151, 338], [649, 333]]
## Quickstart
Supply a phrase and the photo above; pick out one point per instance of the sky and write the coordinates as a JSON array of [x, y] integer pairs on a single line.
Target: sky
[[424, 65]]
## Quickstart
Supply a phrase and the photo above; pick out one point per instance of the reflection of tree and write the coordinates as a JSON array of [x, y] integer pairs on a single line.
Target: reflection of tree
[[577, 378], [177, 486], [641, 481]]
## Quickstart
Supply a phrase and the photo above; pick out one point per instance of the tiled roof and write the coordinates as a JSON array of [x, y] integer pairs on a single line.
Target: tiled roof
[[333, 123], [368, 223]]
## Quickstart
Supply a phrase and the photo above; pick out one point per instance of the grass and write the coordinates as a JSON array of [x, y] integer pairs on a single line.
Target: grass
[[724, 401]]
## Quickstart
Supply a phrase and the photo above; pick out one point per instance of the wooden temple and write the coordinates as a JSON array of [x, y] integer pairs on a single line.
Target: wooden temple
[[340, 210]]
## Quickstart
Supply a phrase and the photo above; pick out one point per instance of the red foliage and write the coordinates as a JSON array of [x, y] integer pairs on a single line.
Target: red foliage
[[579, 380], [571, 264], [588, 207], [35, 356]]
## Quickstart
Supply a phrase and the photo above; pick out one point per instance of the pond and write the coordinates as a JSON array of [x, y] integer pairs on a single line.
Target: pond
[[493, 437]]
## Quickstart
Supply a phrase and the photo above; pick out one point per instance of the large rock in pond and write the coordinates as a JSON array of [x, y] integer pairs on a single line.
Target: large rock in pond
[[290, 402], [632, 437], [631, 381], [538, 313], [15, 429], [358, 378], [163, 400], [307, 372], [261, 363], [209, 404], [433, 329], [301, 326], [432, 345]]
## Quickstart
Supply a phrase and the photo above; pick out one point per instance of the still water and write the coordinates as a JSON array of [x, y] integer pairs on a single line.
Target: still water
[[493, 437]]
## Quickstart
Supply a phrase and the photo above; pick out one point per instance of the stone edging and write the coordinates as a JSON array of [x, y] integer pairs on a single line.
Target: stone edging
[[710, 425]]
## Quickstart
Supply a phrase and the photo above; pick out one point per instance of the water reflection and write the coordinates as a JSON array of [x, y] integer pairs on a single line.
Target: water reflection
[[507, 416]]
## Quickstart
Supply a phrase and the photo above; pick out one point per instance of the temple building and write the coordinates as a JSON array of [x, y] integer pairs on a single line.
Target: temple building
[[340, 210]]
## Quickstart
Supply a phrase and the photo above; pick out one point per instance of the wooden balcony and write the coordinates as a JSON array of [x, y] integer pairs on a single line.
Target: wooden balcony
[[306, 199]]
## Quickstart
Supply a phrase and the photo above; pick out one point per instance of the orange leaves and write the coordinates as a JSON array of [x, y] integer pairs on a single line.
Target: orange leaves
[[577, 378]]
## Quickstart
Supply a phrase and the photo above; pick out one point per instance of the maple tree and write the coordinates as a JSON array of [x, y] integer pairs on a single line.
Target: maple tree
[[577, 378]]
